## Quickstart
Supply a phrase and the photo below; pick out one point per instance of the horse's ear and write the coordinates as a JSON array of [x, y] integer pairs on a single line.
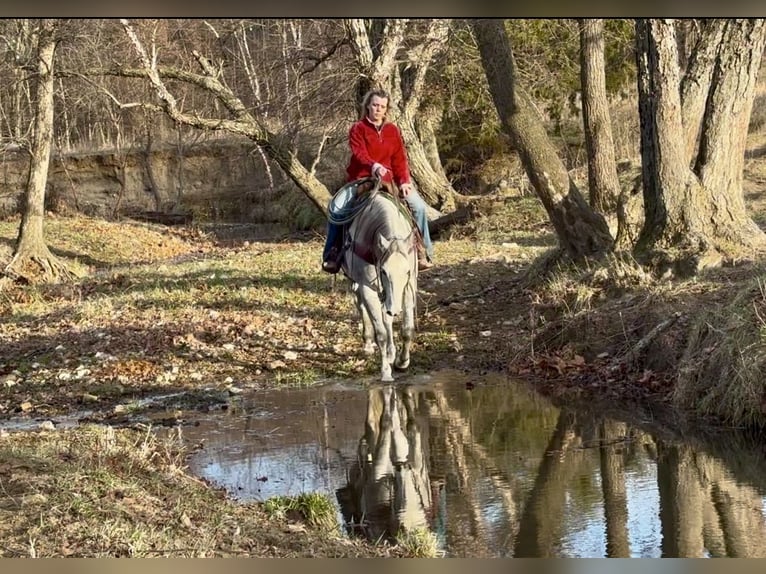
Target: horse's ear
[[383, 243]]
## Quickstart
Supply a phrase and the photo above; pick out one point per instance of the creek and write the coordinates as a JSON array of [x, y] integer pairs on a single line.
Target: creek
[[492, 468]]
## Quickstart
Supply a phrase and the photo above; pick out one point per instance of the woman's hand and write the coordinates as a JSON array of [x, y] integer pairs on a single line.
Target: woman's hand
[[379, 171], [406, 189]]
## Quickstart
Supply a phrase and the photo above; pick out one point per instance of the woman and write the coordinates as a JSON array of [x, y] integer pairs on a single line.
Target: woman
[[377, 150]]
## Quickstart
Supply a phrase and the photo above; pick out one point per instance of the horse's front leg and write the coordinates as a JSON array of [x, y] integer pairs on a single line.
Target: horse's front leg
[[388, 322], [407, 331], [368, 331], [381, 326]]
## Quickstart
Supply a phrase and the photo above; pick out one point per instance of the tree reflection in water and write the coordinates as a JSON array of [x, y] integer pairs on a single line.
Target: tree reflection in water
[[496, 470]]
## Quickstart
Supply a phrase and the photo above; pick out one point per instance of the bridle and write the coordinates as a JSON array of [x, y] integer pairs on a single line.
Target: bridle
[[395, 242]]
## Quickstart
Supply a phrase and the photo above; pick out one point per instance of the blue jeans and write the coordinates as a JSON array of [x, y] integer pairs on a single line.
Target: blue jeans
[[418, 207]]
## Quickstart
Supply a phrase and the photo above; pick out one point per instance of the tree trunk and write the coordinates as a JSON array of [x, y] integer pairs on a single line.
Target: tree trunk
[[147, 156], [723, 141], [604, 187], [31, 254], [426, 124], [696, 81], [695, 218], [581, 231], [662, 151], [432, 184]]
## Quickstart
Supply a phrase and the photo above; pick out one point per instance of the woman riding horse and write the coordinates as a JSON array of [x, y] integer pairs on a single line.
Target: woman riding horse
[[377, 150]]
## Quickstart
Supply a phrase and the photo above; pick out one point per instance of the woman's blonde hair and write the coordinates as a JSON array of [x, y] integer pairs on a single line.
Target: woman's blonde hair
[[368, 96]]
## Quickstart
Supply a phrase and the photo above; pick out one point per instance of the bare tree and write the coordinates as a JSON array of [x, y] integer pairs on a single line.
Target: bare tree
[[17, 51], [581, 231], [31, 253], [241, 120]]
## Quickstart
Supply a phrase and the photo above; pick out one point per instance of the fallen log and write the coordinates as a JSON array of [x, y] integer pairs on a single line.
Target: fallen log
[[162, 217]]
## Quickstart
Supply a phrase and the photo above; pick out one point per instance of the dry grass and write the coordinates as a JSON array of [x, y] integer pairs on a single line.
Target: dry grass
[[97, 492], [721, 373]]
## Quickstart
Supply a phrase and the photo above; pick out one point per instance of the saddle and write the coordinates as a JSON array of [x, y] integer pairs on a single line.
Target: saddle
[[363, 188]]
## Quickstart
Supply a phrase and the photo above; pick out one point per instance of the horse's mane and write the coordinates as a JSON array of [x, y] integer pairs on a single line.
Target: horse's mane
[[383, 215]]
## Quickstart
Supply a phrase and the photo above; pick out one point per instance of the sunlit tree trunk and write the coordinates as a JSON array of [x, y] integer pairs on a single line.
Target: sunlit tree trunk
[[31, 254], [603, 185], [426, 123], [581, 231], [696, 79], [695, 218]]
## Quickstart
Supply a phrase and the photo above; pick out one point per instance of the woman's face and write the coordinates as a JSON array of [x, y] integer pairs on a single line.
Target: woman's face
[[376, 109]]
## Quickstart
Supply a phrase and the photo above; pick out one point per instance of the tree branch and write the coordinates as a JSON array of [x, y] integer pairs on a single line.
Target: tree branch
[[422, 56], [318, 60]]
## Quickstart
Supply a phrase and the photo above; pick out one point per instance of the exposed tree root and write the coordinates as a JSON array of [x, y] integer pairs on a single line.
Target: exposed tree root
[[38, 267]]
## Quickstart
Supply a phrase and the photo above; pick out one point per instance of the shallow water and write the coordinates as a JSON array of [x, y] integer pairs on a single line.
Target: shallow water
[[492, 468]]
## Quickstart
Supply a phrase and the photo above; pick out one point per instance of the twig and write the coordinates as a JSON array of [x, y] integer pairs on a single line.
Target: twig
[[457, 298], [644, 342]]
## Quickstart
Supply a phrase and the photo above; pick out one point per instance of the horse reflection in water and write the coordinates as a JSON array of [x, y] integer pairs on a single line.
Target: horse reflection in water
[[381, 262], [389, 489]]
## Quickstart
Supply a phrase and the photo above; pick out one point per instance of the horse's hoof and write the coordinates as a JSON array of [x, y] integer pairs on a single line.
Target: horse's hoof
[[387, 378], [369, 349], [402, 366]]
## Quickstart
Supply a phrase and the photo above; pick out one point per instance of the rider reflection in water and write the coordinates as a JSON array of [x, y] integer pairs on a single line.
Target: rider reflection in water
[[389, 489]]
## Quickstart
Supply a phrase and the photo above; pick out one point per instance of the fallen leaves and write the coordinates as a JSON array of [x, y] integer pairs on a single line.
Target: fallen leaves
[[557, 365]]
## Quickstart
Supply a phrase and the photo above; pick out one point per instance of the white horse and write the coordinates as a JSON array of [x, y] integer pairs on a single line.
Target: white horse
[[380, 259]]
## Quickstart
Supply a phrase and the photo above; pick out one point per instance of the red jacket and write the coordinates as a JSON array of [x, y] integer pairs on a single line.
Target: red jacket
[[370, 145]]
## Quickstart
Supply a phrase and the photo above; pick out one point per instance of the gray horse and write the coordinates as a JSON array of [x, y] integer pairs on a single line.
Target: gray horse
[[380, 259]]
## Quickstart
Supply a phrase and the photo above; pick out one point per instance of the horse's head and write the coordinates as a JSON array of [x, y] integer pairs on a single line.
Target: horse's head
[[396, 271]]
